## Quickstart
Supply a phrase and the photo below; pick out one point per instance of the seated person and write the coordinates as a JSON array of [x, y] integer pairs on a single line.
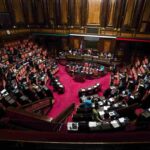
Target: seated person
[[106, 117], [116, 80], [102, 68], [109, 55], [96, 116], [86, 104], [47, 91], [101, 54], [107, 93]]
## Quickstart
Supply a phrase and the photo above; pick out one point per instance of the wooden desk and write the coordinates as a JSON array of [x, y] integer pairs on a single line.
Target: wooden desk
[[90, 90]]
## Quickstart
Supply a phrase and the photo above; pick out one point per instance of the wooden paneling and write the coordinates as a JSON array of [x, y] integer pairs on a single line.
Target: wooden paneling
[[84, 12], [10, 11], [146, 16], [51, 8], [111, 13], [107, 45], [144, 36], [71, 15], [45, 12], [137, 16], [75, 42], [130, 7], [104, 13], [51, 12], [57, 12], [79, 31], [5, 21], [120, 13], [77, 12], [110, 16], [25, 12], [74, 12], [28, 11], [39, 11], [65, 44], [18, 11], [3, 6], [64, 11], [14, 32], [94, 9]]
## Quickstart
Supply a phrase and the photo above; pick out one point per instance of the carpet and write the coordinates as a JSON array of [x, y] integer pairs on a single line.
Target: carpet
[[71, 90]]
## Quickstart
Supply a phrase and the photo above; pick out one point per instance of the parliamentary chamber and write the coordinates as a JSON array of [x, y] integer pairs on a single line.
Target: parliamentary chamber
[[84, 37]]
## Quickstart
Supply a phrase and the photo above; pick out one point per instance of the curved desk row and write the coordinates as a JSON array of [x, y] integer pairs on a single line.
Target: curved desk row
[[57, 85], [103, 61], [97, 126], [90, 90]]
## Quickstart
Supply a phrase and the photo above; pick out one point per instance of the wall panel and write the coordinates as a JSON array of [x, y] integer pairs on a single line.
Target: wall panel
[[71, 15], [5, 21], [64, 11], [51, 12], [146, 16], [64, 43], [111, 13], [137, 16], [107, 46], [3, 6], [18, 11], [119, 13], [94, 9], [74, 12], [130, 7], [75, 42], [39, 11], [28, 11], [104, 12], [84, 12], [57, 12], [77, 12]]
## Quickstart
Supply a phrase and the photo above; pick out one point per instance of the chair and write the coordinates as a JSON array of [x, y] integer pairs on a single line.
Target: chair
[[138, 111]]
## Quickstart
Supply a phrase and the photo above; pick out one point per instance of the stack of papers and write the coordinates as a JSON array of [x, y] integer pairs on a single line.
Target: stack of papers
[[115, 124]]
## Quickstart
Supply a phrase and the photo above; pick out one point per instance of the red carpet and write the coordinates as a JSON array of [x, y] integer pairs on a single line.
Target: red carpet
[[71, 90]]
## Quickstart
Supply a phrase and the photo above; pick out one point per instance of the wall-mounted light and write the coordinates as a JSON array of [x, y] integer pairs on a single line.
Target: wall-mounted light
[[8, 32]]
